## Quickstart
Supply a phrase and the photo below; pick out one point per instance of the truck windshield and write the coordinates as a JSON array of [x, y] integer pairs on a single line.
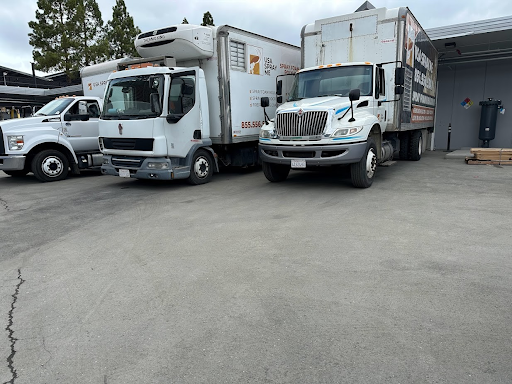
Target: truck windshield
[[337, 81], [137, 97], [54, 107]]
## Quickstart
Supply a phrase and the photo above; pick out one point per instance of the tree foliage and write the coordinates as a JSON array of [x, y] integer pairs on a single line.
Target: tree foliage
[[68, 35], [121, 32], [207, 19], [185, 21], [89, 45], [52, 36]]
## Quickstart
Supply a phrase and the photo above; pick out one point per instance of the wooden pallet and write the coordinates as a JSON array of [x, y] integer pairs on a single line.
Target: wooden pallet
[[494, 154], [471, 161]]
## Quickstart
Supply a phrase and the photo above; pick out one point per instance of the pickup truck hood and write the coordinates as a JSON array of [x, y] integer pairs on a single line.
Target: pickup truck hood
[[28, 123], [339, 104]]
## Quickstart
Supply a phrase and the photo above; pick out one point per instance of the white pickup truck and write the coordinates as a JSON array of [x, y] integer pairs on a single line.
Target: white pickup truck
[[62, 135]]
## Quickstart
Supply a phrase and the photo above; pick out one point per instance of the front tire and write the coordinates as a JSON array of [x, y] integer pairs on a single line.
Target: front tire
[[50, 165], [275, 172], [21, 173], [363, 172], [416, 146], [201, 169]]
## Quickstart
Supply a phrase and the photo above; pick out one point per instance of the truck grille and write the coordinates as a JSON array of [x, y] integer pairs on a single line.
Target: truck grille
[[128, 144], [2, 146], [311, 123], [127, 162]]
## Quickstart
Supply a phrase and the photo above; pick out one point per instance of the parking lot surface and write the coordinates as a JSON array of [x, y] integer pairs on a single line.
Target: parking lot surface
[[109, 280]]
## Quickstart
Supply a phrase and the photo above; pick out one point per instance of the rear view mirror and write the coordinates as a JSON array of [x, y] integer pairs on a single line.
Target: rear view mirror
[[279, 88], [155, 104], [399, 90], [354, 94], [264, 102], [399, 76]]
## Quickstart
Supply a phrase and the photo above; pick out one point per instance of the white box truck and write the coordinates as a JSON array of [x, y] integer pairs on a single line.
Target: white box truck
[[192, 103], [59, 137], [366, 91]]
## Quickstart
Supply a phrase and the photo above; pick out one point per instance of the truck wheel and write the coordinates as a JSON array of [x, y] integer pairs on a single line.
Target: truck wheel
[[201, 170], [50, 165], [275, 172], [416, 146], [20, 173], [362, 173], [404, 146]]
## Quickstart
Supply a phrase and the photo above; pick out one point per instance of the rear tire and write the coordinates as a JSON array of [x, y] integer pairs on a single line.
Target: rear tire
[[363, 172], [416, 146], [201, 169], [50, 165], [17, 173], [275, 172]]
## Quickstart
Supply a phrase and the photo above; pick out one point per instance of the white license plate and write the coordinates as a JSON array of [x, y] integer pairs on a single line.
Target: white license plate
[[124, 172], [298, 163]]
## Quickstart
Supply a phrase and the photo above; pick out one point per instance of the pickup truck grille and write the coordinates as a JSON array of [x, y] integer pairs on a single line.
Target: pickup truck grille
[[128, 144], [2, 145], [310, 123], [127, 162]]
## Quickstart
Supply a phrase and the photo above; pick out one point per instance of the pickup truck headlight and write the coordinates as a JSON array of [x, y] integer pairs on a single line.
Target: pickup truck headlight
[[346, 131], [15, 142]]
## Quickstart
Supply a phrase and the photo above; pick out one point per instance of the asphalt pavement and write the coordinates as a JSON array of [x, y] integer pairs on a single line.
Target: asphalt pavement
[[108, 280]]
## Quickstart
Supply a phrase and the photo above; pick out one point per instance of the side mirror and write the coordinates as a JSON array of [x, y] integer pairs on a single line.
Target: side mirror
[[399, 90], [399, 76], [354, 94], [279, 88], [265, 102], [155, 104], [280, 99]]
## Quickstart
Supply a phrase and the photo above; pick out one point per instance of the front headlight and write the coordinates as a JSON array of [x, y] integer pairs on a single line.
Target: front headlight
[[158, 165], [265, 134], [346, 131], [15, 142]]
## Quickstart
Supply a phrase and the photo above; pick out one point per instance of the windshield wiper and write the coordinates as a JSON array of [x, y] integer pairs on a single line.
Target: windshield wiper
[[40, 114], [332, 94]]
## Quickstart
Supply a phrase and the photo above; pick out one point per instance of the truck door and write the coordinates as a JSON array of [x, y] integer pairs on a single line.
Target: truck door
[[184, 126], [81, 122]]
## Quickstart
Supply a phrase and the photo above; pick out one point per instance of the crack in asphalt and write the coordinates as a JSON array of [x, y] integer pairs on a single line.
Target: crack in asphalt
[[10, 331], [4, 203]]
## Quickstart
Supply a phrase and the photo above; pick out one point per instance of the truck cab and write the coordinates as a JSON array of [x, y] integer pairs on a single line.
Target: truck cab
[[147, 114], [330, 115]]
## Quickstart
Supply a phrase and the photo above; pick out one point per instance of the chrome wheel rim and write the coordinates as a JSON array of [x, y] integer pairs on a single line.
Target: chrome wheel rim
[[201, 167], [371, 163], [52, 166]]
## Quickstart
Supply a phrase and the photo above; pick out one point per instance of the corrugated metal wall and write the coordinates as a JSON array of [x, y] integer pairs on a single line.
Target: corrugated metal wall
[[476, 81]]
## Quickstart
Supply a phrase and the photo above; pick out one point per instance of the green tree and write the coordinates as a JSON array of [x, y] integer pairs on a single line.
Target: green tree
[[89, 40], [207, 19], [121, 32], [185, 21], [52, 36]]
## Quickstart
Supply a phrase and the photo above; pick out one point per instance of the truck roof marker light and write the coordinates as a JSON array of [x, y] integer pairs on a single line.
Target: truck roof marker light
[[320, 66], [366, 62], [338, 64], [329, 65]]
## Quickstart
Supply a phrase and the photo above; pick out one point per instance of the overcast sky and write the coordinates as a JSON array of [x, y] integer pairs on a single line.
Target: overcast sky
[[278, 19]]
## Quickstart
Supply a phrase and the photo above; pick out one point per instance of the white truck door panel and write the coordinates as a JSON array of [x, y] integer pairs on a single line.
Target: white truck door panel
[[83, 135]]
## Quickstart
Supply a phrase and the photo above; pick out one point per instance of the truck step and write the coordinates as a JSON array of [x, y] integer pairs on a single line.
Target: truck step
[[388, 163]]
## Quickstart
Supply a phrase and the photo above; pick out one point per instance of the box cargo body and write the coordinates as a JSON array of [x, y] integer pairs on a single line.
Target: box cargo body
[[391, 36]]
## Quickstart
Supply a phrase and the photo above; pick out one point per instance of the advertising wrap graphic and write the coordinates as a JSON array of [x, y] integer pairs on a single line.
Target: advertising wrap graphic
[[421, 63], [255, 56]]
